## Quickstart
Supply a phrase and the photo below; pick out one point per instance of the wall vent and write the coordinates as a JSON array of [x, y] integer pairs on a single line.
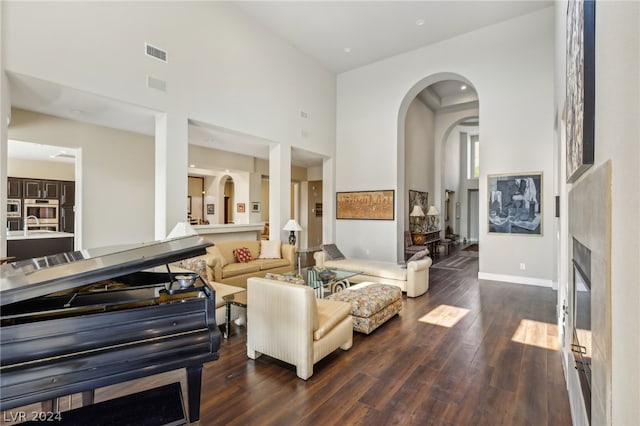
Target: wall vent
[[63, 155], [155, 52], [156, 83]]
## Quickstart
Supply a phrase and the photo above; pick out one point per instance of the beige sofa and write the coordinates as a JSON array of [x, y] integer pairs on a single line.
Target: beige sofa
[[413, 280], [225, 269], [287, 322]]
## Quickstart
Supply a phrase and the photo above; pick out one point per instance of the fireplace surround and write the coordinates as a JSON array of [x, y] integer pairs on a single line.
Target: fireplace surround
[[589, 221], [581, 345]]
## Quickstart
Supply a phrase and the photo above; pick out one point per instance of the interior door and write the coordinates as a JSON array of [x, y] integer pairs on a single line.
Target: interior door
[[474, 214]]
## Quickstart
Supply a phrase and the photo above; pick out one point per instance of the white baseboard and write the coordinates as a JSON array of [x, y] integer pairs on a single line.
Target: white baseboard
[[515, 279]]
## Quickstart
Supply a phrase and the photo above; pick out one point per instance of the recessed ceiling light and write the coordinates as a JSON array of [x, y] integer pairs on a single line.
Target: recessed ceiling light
[[192, 165], [347, 50], [463, 87], [227, 170], [420, 22]]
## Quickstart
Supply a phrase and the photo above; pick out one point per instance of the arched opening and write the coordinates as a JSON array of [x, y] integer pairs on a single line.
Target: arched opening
[[227, 191], [437, 117]]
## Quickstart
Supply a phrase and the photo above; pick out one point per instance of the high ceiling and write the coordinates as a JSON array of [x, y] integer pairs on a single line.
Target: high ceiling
[[340, 35], [374, 30]]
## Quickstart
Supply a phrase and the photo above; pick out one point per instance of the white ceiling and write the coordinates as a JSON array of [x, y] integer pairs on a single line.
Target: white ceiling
[[373, 30]]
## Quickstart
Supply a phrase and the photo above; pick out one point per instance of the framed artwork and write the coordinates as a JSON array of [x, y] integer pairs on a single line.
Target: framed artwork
[[188, 204], [211, 209], [318, 209], [240, 207], [515, 203], [580, 96], [255, 207], [422, 199], [372, 205]]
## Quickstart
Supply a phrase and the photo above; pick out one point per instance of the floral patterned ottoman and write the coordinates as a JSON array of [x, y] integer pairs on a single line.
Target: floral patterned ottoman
[[372, 304]]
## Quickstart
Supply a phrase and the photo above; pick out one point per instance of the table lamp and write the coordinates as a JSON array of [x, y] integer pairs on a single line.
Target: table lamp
[[416, 213], [292, 226], [432, 213]]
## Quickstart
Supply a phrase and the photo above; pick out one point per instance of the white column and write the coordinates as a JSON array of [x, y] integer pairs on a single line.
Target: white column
[[5, 113], [328, 201], [304, 215], [279, 190], [172, 156]]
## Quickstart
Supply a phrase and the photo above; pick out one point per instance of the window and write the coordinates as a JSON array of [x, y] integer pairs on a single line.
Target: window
[[473, 156]]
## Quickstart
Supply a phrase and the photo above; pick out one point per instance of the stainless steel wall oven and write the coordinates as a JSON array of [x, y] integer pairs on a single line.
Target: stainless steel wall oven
[[45, 211]]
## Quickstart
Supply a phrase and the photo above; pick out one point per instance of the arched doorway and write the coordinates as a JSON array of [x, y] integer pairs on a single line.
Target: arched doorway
[[431, 151], [227, 191]]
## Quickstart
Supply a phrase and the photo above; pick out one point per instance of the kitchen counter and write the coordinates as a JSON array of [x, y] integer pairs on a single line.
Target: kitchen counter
[[35, 235], [230, 231]]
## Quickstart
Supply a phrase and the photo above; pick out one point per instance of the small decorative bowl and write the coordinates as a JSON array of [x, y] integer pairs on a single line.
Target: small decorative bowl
[[186, 280], [326, 275]]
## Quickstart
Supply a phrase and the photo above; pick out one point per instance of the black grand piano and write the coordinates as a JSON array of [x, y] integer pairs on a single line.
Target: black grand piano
[[74, 322]]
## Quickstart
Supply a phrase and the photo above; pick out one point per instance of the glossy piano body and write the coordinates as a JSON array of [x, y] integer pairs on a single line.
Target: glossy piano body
[[79, 321]]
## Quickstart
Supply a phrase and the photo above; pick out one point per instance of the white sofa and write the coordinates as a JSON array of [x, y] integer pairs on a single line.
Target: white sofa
[[413, 280], [287, 322]]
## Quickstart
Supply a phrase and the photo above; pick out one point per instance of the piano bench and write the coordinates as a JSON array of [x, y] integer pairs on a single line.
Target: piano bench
[[158, 406]]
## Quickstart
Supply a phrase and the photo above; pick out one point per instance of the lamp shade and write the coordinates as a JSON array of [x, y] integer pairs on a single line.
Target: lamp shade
[[292, 225], [433, 211], [182, 229], [417, 211]]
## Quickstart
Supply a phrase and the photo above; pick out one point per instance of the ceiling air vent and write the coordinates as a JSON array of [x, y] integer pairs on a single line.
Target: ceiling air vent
[[155, 52], [156, 83], [63, 155]]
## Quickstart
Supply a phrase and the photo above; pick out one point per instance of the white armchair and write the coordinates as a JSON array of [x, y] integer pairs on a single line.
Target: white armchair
[[287, 322]]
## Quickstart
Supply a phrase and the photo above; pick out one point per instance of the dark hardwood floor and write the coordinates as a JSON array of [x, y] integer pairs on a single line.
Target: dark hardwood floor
[[465, 353]]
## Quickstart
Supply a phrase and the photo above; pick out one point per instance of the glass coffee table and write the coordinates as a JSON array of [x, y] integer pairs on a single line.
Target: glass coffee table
[[333, 284]]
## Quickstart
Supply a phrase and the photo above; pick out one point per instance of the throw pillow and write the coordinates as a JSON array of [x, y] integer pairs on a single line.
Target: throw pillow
[[242, 255], [270, 249], [332, 252], [419, 255], [199, 266]]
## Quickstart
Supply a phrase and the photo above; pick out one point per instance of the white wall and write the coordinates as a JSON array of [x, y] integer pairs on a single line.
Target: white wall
[[617, 137], [419, 154], [55, 170], [511, 66], [117, 180], [226, 71]]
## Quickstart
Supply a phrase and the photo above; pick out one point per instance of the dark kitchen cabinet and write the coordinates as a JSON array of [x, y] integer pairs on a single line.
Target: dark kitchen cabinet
[[14, 188], [23, 249], [67, 194], [67, 209], [67, 219], [14, 224], [44, 189]]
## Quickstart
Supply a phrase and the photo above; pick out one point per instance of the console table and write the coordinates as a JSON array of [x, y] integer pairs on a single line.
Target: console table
[[429, 239], [432, 238]]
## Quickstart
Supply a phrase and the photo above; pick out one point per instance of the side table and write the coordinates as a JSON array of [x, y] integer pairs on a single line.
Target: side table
[[238, 299]]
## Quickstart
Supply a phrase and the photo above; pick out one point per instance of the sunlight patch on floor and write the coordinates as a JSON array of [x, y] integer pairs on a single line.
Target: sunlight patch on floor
[[536, 333], [445, 315]]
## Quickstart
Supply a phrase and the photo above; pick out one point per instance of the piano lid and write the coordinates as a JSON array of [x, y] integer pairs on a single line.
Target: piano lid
[[37, 277]]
